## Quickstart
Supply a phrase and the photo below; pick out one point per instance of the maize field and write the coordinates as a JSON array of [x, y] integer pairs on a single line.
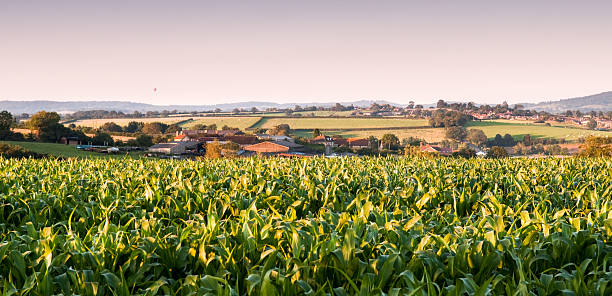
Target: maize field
[[268, 226]]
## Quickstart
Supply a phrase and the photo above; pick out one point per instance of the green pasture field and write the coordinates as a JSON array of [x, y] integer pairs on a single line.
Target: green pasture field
[[490, 128], [241, 122], [341, 123], [518, 130]]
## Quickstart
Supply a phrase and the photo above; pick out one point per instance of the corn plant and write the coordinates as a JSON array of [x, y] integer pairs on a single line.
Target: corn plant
[[268, 226]]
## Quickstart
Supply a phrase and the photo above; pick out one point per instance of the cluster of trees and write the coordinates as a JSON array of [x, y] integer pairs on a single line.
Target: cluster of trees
[[49, 129], [202, 127], [152, 128], [597, 147], [598, 114], [472, 107], [445, 118], [521, 149], [506, 141], [461, 134], [7, 122], [218, 150], [100, 114], [280, 130]]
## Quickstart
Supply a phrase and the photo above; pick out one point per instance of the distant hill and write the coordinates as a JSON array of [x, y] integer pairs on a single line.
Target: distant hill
[[18, 107], [598, 102]]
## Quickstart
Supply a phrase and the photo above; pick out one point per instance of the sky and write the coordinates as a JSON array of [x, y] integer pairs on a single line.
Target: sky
[[209, 52]]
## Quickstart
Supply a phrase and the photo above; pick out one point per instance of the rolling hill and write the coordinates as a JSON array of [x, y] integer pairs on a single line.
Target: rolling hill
[[597, 102]]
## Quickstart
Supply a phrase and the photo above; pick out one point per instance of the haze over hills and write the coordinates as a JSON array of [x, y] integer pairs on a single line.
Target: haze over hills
[[597, 102], [18, 107]]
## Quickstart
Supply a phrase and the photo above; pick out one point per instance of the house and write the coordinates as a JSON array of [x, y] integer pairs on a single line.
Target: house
[[326, 141], [358, 143], [436, 150], [321, 140], [355, 143], [173, 148], [182, 138], [341, 142]]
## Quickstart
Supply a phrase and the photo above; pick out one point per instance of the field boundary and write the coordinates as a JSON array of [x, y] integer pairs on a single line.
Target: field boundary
[[357, 129], [253, 126]]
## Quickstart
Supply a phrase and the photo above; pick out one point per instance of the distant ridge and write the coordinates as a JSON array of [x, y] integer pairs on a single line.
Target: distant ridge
[[18, 107], [597, 102]]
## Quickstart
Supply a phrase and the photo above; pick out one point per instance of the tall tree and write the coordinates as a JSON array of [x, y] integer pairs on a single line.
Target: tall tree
[[48, 126], [42, 120], [457, 133], [6, 122], [391, 141], [477, 137]]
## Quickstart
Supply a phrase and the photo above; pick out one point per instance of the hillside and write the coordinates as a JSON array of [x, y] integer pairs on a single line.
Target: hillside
[[18, 107], [598, 102]]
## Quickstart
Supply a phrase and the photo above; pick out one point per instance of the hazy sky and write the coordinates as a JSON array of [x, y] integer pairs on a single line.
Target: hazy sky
[[204, 52]]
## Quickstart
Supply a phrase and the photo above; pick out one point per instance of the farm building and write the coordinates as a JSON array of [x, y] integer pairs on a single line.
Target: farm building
[[173, 148], [242, 140], [265, 137], [269, 147], [70, 140]]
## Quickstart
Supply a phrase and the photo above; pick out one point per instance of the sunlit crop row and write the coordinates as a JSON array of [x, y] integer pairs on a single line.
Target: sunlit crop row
[[365, 226]]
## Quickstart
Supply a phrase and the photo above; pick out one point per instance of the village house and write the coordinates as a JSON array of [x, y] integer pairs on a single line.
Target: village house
[[354, 143], [436, 150]]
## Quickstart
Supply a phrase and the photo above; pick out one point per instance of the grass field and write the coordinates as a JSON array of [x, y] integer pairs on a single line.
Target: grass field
[[241, 122], [518, 130], [340, 123], [490, 128], [271, 226], [95, 123], [61, 150]]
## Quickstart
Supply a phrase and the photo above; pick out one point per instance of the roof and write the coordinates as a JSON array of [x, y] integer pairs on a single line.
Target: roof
[[436, 149], [273, 137], [341, 141], [171, 144], [288, 144], [242, 140], [267, 147], [320, 139], [358, 142], [162, 145]]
